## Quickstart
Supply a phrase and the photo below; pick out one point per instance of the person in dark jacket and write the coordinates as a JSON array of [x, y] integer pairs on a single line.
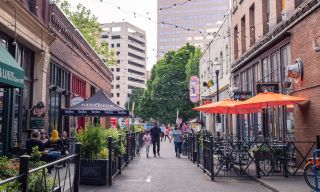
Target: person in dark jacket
[[155, 134], [33, 142]]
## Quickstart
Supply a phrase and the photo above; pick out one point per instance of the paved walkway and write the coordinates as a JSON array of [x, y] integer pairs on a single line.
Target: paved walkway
[[167, 173]]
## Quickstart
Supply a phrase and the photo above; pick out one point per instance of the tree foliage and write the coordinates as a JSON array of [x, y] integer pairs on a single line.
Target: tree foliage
[[168, 88], [87, 23]]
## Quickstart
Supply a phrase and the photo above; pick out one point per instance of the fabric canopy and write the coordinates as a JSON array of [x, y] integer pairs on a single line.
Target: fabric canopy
[[269, 99], [97, 105], [225, 107], [11, 74]]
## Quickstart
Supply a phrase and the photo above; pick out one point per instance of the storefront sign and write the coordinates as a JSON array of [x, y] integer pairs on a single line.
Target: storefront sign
[[268, 87], [206, 100], [242, 95], [37, 116], [194, 87]]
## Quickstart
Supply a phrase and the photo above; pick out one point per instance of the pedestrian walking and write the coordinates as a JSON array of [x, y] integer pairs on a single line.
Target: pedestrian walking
[[166, 134], [147, 142], [171, 134], [155, 135], [177, 136], [163, 128]]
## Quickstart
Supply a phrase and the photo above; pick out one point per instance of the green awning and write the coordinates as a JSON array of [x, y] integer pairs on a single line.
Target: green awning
[[11, 74]]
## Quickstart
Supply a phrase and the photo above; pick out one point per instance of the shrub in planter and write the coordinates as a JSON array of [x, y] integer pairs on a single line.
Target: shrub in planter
[[261, 152], [9, 168], [94, 153]]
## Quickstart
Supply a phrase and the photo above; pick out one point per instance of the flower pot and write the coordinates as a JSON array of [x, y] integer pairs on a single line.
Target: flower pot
[[93, 172]]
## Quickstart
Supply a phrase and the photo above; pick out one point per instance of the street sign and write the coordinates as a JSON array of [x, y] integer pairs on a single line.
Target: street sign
[[268, 87], [194, 87], [242, 95]]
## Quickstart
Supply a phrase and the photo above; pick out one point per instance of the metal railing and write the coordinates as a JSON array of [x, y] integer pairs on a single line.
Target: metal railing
[[231, 158], [65, 175]]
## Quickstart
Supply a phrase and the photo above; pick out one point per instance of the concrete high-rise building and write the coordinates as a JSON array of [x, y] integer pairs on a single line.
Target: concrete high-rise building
[[177, 22], [129, 45]]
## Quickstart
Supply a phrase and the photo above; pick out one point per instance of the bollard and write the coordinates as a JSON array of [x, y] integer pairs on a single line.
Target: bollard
[[193, 148], [110, 160], [77, 167], [24, 171]]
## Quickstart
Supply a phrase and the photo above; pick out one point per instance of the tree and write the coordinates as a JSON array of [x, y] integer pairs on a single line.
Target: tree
[[134, 98], [87, 23], [168, 88]]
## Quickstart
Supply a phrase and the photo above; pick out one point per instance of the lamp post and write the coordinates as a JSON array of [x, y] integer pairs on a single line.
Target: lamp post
[[217, 70]]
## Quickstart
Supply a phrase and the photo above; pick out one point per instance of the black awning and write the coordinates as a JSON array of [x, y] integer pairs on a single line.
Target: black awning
[[97, 105]]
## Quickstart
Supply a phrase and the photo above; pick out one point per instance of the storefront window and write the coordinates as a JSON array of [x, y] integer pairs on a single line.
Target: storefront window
[[15, 132], [1, 119], [59, 80]]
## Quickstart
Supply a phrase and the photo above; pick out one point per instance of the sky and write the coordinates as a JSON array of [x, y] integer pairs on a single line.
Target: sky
[[107, 11]]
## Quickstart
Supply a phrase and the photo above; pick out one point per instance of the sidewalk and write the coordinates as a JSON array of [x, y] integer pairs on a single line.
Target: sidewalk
[[167, 173], [282, 184]]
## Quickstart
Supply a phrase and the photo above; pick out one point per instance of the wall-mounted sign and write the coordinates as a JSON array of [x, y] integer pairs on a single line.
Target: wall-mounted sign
[[295, 71], [37, 115], [206, 100], [242, 95], [194, 86], [268, 87]]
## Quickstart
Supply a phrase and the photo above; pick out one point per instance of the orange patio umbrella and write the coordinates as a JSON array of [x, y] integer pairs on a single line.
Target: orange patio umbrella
[[225, 107], [268, 99]]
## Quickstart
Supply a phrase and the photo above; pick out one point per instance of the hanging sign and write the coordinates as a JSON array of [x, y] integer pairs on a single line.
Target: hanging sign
[[242, 95], [206, 100], [268, 87], [37, 115], [194, 87]]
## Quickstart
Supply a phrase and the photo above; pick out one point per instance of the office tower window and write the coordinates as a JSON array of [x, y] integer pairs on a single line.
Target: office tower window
[[118, 44], [117, 86], [112, 45], [118, 78], [118, 69], [118, 94]]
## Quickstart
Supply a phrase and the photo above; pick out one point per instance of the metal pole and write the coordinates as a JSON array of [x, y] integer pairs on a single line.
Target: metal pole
[[110, 159], [24, 171], [217, 115], [77, 167]]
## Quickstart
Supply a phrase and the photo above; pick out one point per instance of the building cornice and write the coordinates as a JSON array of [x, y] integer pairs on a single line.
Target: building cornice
[[64, 28], [279, 31]]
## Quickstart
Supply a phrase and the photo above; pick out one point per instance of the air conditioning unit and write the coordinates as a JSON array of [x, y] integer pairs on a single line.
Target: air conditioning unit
[[53, 1], [284, 14]]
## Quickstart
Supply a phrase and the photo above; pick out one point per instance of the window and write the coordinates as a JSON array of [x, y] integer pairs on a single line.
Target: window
[[135, 80], [112, 86], [92, 90], [118, 103], [118, 78], [118, 61], [118, 69], [243, 34], [60, 78], [112, 69], [112, 45], [135, 72], [118, 53], [117, 86], [251, 24], [118, 94], [111, 94], [116, 37], [118, 44], [279, 10], [265, 16], [136, 64], [33, 6], [235, 39]]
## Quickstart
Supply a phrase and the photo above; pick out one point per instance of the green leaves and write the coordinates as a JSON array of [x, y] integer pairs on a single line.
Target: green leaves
[[87, 23], [168, 87]]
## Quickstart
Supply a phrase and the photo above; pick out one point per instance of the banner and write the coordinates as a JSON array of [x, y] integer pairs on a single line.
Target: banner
[[194, 87]]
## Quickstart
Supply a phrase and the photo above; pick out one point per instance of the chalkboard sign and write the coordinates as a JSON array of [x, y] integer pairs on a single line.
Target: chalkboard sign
[[242, 95], [268, 87], [37, 115]]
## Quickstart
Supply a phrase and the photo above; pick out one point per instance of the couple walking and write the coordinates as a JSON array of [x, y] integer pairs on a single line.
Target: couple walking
[[154, 136]]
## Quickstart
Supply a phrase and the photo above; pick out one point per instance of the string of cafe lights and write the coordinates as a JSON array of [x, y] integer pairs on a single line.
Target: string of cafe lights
[[174, 5]]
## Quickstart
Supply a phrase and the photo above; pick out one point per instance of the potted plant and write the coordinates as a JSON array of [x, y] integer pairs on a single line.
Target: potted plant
[[261, 152], [94, 154]]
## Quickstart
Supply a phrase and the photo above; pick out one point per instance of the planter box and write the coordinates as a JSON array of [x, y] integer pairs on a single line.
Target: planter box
[[262, 155], [93, 172]]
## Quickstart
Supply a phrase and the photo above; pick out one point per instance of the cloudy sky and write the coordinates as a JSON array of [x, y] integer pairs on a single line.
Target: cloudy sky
[[107, 11]]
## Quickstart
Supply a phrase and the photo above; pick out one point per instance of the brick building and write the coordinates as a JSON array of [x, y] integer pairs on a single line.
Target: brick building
[[44, 61], [76, 71], [269, 37]]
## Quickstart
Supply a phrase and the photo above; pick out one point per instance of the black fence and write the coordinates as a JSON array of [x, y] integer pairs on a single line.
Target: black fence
[[64, 177], [132, 144], [231, 158], [65, 172]]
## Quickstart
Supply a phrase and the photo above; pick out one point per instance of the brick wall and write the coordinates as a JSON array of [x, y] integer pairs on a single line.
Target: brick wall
[[307, 117]]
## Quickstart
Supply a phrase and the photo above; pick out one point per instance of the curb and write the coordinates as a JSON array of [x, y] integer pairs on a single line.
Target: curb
[[261, 182]]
